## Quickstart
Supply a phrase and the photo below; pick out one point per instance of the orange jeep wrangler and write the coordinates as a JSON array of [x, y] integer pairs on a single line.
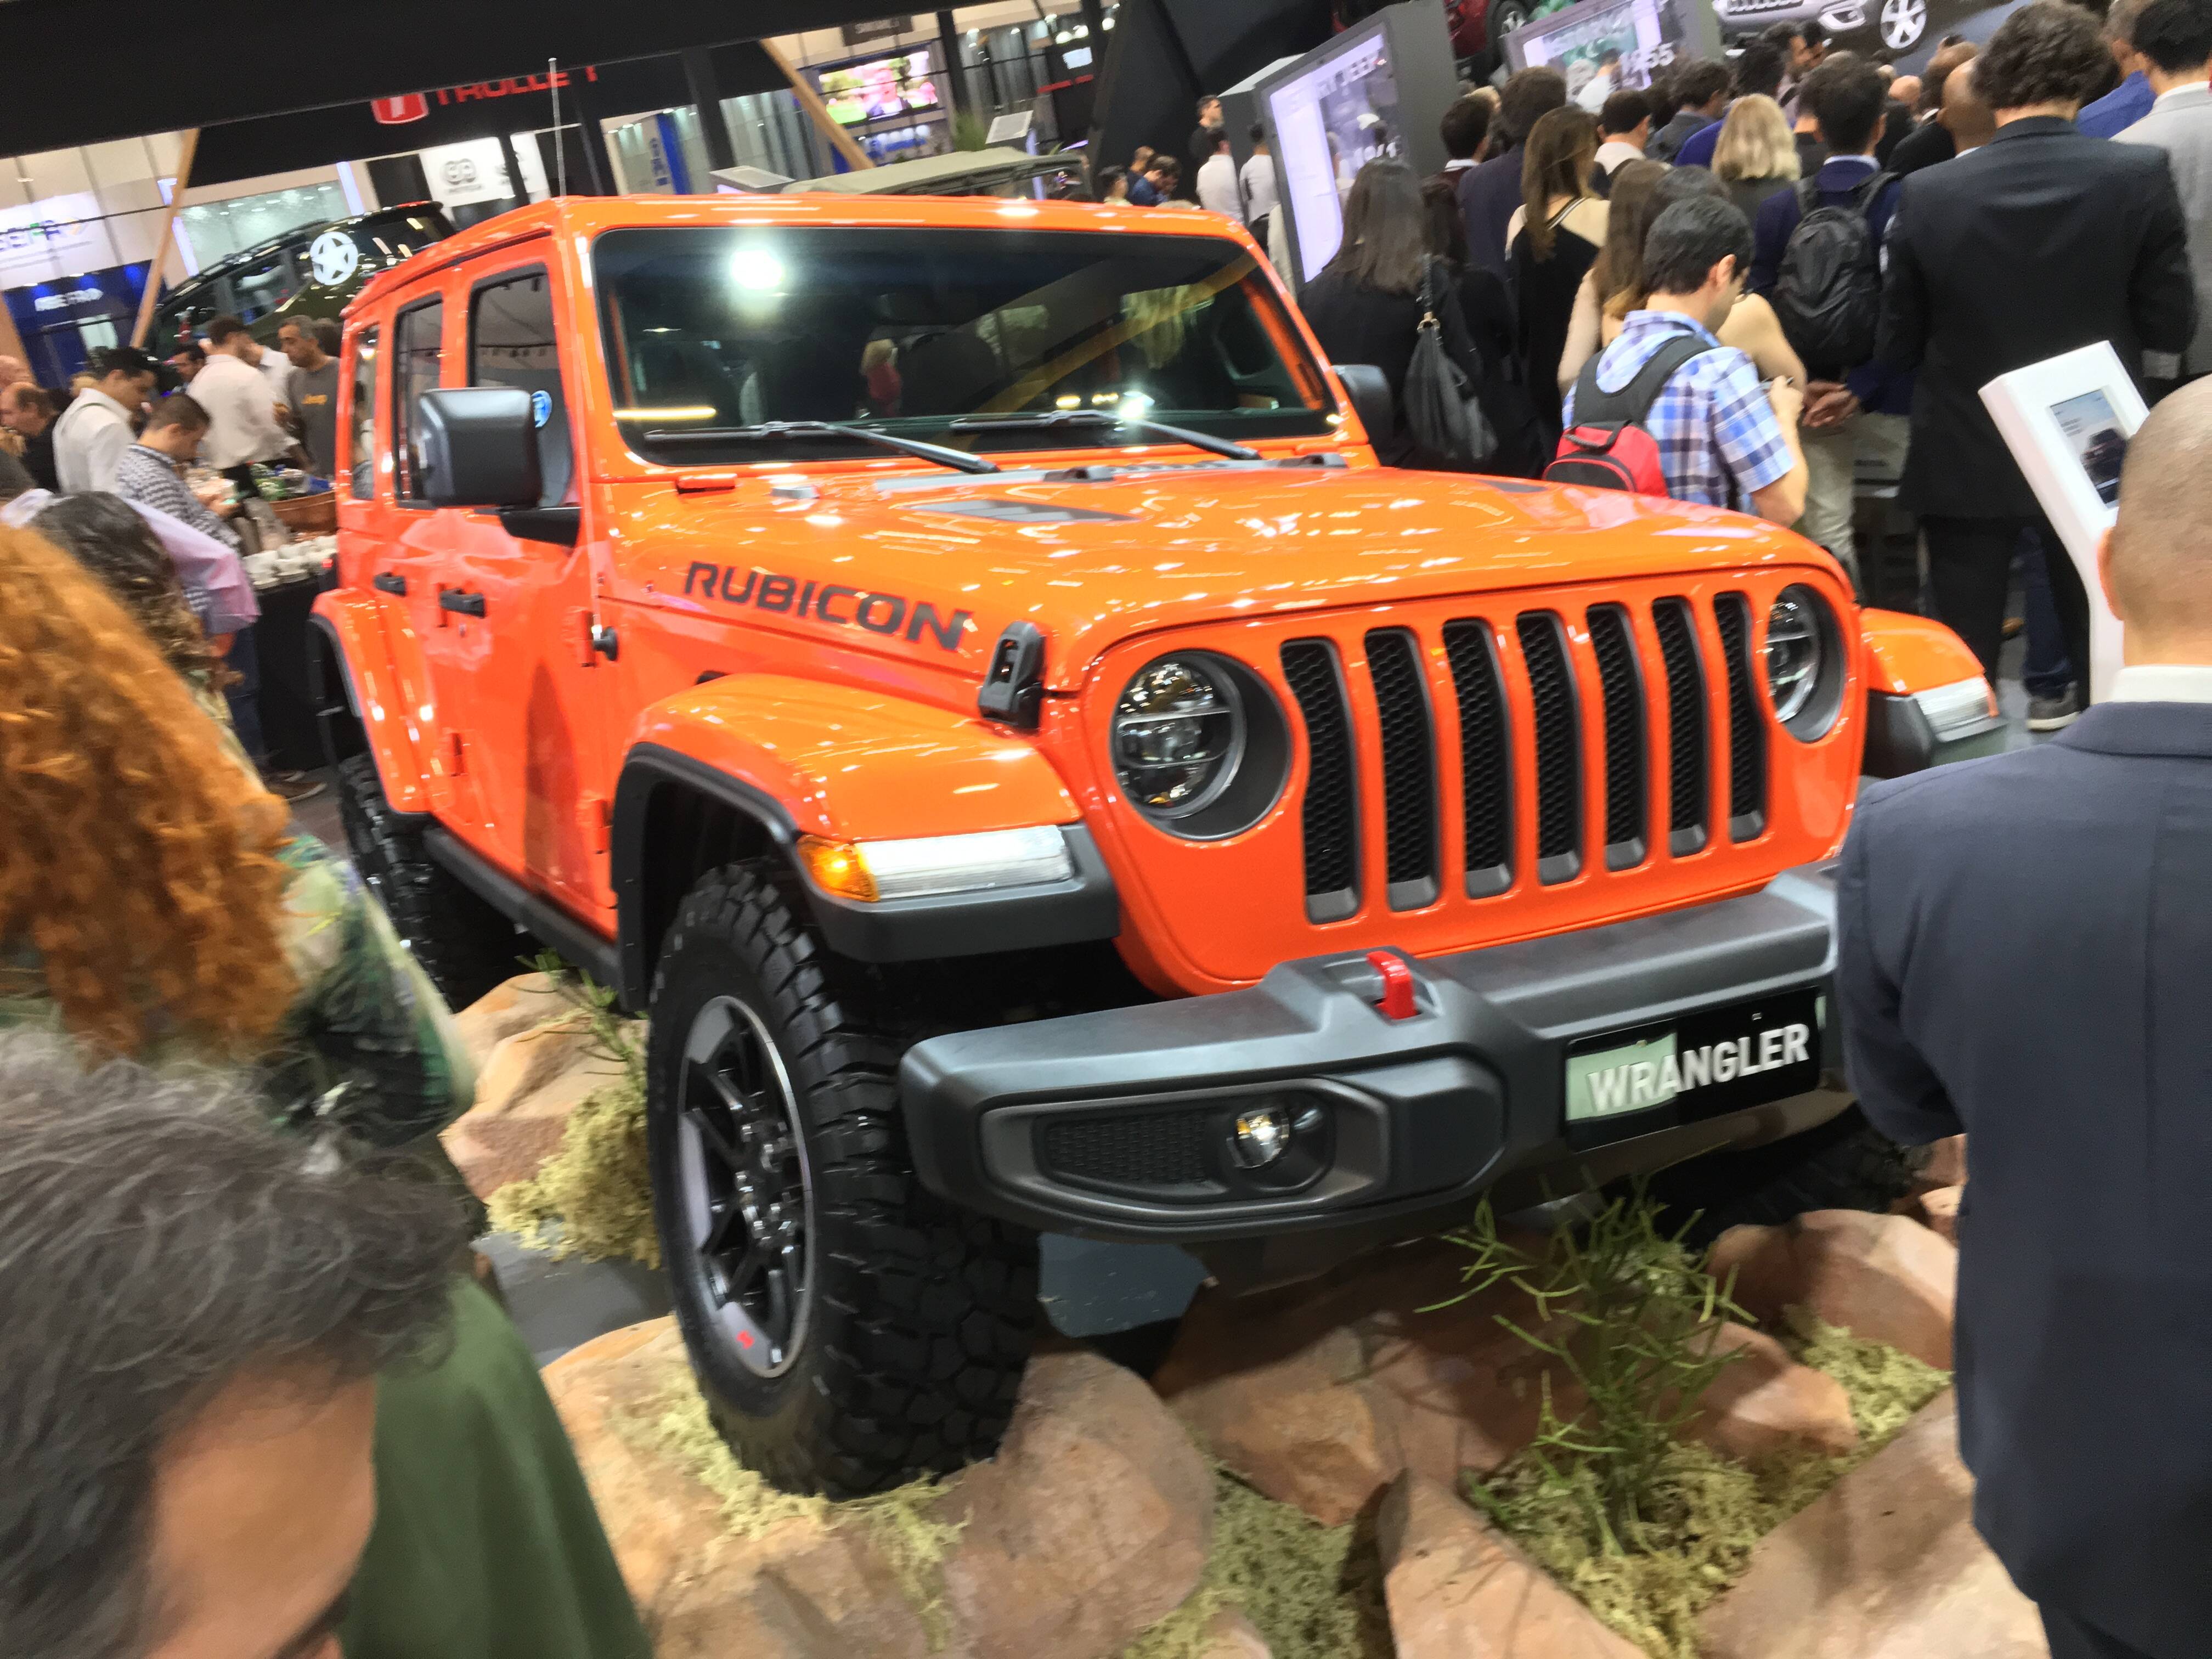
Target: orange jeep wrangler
[[957, 666]]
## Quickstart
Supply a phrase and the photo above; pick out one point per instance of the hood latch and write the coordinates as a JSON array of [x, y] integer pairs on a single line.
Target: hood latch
[[1013, 690]]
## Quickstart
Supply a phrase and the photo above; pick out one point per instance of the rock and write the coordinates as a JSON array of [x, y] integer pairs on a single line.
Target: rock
[[1460, 1590], [1231, 1635], [1765, 1402], [1940, 1210], [1946, 1165], [1884, 1564], [1321, 1394], [1091, 1524], [525, 1090], [520, 1004], [1881, 1277]]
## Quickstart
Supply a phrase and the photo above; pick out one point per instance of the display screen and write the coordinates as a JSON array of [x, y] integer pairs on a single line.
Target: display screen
[[711, 330], [1329, 122], [2095, 435], [1603, 47], [879, 90]]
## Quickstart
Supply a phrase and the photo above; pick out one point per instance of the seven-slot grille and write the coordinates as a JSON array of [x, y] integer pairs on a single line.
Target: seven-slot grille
[[1567, 706]]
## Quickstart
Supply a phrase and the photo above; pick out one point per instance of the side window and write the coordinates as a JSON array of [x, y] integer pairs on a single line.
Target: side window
[[414, 372], [511, 343], [364, 415]]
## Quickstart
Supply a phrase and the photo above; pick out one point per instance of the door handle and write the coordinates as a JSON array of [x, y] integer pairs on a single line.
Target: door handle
[[386, 582], [469, 604]]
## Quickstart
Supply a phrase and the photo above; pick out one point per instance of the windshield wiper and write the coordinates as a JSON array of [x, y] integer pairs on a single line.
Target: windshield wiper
[[1099, 417], [774, 431]]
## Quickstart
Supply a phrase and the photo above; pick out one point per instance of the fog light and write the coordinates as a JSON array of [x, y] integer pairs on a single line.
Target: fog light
[[1261, 1136]]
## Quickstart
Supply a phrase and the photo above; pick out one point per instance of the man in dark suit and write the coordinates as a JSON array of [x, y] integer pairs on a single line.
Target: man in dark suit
[[1490, 195], [2039, 242], [2026, 957]]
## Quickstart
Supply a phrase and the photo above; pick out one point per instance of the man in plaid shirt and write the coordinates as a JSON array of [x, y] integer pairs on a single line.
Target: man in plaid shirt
[[148, 475], [1724, 439]]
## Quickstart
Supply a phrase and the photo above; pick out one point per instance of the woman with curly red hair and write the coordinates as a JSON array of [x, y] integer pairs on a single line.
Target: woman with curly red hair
[[156, 904]]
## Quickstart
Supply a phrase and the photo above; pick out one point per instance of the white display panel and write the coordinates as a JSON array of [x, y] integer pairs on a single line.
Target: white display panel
[[1328, 123], [2068, 422]]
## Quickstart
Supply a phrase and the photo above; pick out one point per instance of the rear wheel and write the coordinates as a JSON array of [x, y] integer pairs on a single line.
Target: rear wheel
[[464, 944], [849, 1330]]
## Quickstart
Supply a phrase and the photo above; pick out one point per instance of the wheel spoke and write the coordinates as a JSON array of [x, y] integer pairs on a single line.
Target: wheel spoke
[[748, 1272], [729, 1228], [717, 1140]]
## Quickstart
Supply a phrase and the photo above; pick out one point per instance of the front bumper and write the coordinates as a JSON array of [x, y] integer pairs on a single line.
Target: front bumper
[[1116, 1124]]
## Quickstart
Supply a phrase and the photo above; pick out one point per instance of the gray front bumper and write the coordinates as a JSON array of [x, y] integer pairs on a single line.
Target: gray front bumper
[[1423, 1115]]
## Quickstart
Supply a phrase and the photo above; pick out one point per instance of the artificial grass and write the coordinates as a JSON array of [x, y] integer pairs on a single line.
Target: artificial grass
[[1704, 1513], [901, 1525], [593, 1197], [1314, 1592]]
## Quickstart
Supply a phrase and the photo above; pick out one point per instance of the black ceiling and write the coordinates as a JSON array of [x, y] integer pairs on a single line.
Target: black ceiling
[[82, 72]]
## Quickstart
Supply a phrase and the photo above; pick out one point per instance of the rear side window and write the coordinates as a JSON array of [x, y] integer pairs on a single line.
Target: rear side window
[[415, 371], [364, 415], [511, 343]]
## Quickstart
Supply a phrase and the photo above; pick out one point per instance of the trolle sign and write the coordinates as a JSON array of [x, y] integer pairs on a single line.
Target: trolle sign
[[415, 106]]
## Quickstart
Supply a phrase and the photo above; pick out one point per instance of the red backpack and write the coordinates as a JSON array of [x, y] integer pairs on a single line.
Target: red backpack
[[1608, 446]]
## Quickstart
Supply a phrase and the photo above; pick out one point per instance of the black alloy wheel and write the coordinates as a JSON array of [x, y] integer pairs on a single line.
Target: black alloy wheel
[[747, 1194]]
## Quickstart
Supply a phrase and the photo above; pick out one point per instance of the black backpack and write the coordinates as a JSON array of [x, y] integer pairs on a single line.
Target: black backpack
[[1828, 293]]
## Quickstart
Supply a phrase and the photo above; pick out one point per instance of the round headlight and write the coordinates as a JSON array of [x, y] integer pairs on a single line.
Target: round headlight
[[1178, 731], [1793, 653], [1804, 655]]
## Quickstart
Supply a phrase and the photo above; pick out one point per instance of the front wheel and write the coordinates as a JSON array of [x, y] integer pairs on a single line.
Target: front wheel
[[849, 1330], [1903, 22]]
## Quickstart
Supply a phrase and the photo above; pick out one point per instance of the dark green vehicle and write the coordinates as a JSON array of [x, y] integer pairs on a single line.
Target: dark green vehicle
[[312, 271]]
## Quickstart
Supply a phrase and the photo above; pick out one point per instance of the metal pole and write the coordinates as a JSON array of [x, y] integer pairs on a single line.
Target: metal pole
[[560, 150], [948, 42], [699, 75], [515, 185]]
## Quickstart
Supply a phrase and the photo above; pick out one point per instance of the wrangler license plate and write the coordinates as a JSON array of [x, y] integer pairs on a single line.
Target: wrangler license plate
[[1700, 1066]]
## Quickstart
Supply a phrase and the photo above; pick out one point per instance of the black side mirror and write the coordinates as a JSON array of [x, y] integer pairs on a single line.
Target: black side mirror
[[477, 447], [1371, 401]]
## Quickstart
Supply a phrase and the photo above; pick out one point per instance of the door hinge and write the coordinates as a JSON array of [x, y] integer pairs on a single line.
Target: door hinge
[[452, 754], [594, 639], [597, 817]]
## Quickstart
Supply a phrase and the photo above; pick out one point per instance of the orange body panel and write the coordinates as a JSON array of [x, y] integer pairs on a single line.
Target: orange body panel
[[820, 632], [854, 764], [1907, 654]]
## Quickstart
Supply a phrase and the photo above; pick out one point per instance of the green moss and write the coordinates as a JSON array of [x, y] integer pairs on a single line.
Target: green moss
[[1705, 1513], [1886, 1386], [1314, 1592], [900, 1525], [593, 1197]]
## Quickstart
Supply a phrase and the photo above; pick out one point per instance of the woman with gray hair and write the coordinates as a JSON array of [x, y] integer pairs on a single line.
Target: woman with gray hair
[[156, 905]]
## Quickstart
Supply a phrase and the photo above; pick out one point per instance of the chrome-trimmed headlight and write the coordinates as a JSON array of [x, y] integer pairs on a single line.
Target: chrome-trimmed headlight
[[1803, 655], [1198, 745]]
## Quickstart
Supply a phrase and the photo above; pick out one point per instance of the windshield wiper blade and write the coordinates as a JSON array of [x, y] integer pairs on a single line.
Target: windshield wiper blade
[[774, 431], [1097, 418]]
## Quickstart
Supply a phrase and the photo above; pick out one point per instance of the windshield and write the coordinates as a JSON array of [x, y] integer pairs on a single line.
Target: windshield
[[908, 329]]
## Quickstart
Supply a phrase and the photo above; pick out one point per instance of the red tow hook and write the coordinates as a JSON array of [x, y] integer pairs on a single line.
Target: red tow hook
[[1397, 1001]]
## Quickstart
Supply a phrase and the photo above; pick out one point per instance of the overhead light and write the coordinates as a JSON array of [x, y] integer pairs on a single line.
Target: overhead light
[[1062, 38], [758, 269]]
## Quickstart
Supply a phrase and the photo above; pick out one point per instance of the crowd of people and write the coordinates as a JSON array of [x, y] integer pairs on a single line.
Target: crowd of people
[[177, 441], [1881, 246]]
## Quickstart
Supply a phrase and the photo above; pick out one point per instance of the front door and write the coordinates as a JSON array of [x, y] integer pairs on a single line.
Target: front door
[[506, 611]]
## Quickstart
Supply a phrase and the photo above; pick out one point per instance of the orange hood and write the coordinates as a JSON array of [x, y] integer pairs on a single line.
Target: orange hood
[[1095, 561]]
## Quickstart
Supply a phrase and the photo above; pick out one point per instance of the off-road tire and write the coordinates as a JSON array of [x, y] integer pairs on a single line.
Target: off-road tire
[[1845, 1163], [464, 944], [921, 1315]]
